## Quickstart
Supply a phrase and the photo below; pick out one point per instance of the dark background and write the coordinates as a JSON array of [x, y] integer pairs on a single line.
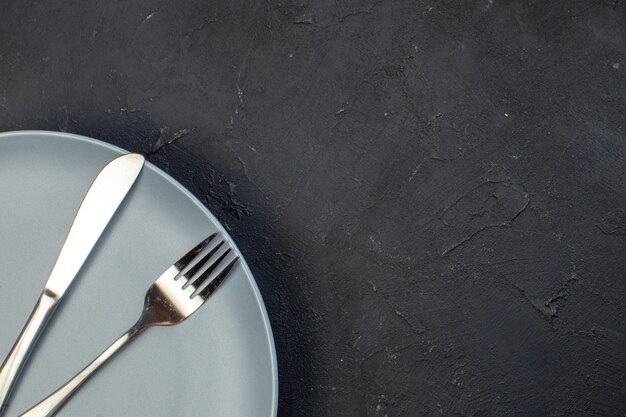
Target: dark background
[[431, 194]]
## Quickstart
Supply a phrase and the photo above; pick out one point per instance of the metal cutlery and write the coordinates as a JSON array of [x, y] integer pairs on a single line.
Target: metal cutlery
[[173, 297], [96, 210]]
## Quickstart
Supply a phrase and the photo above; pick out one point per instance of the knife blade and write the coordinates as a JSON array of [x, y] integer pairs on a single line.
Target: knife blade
[[96, 210]]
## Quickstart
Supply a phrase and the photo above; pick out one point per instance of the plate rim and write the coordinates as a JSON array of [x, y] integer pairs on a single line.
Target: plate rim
[[149, 165]]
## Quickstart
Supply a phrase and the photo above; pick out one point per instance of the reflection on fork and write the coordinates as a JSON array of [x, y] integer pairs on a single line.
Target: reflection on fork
[[173, 297]]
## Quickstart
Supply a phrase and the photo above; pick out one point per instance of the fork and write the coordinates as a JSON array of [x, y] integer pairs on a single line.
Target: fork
[[172, 298]]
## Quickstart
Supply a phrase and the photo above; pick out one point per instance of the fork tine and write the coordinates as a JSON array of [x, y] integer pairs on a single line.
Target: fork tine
[[188, 257], [197, 283], [217, 281], [189, 274]]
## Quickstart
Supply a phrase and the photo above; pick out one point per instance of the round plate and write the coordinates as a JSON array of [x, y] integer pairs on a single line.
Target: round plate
[[219, 362]]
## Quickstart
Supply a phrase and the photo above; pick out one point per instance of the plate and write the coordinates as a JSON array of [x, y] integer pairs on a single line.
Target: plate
[[219, 362]]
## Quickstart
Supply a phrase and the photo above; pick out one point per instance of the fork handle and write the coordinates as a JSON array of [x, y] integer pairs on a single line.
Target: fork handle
[[10, 369], [49, 406]]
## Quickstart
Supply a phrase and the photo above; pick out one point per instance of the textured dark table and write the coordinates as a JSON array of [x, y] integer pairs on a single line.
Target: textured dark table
[[432, 195]]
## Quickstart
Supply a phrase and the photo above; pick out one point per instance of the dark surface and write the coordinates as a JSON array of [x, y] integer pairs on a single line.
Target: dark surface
[[432, 196]]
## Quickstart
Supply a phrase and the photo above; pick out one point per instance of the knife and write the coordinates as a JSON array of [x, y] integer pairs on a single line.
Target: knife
[[100, 203]]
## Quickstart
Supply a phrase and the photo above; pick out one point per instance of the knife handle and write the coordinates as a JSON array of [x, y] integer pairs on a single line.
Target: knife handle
[[10, 369]]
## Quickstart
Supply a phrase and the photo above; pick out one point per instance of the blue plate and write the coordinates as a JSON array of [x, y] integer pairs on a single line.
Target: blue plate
[[219, 362]]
